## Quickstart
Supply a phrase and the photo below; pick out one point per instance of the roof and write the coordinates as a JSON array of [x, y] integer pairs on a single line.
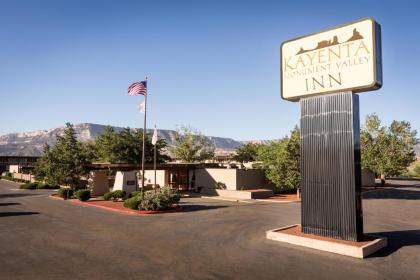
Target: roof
[[148, 166]]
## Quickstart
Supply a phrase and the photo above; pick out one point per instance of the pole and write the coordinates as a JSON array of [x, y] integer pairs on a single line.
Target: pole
[[154, 160], [144, 139]]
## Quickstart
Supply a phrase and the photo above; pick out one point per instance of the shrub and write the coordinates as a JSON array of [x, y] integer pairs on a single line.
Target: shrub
[[118, 194], [159, 199], [173, 195], [80, 187], [42, 186], [132, 203], [114, 195], [108, 195], [28, 186], [7, 178], [83, 194], [134, 194], [65, 193], [150, 201]]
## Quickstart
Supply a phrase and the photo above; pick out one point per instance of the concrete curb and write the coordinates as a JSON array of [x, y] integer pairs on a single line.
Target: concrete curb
[[125, 211], [278, 201], [360, 252]]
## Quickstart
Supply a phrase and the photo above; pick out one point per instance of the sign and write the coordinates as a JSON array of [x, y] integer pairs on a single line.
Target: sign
[[343, 58]]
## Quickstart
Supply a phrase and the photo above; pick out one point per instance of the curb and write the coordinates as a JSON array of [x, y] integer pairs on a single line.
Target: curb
[[279, 201], [127, 211], [330, 245]]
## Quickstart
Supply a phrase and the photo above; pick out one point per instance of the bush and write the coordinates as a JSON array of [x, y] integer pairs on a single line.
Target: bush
[[159, 199], [83, 195], [118, 194], [28, 186], [45, 186], [65, 193], [132, 203], [7, 178], [134, 194], [108, 195], [114, 195], [79, 187]]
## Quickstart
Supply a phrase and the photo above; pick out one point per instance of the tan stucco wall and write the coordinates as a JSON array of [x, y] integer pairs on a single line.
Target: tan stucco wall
[[14, 168], [98, 182], [121, 181], [368, 178], [160, 177], [27, 177], [208, 177], [235, 179], [250, 179]]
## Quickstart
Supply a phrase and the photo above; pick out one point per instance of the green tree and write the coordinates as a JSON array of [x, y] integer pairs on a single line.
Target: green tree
[[416, 170], [292, 180], [65, 163], [43, 166], [161, 147], [191, 146], [281, 161], [387, 151], [106, 146], [246, 153], [126, 147]]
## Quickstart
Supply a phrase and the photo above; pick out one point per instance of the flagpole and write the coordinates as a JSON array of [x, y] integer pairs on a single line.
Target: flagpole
[[144, 139], [154, 160]]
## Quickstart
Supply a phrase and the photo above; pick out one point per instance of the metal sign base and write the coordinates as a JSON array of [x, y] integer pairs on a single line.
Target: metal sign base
[[330, 166]]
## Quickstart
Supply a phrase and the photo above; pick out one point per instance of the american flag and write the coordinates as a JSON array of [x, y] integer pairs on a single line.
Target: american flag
[[138, 88]]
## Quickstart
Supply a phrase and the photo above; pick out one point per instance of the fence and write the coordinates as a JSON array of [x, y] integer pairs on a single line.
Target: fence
[[27, 177]]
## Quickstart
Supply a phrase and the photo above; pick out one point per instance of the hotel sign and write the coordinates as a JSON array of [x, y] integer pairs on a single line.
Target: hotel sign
[[343, 58]]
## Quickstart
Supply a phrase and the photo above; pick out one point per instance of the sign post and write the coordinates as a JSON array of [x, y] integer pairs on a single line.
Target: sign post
[[323, 71]]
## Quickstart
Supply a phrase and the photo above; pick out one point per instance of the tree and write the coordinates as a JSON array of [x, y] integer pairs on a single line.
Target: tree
[[273, 158], [149, 147], [246, 153], [416, 170], [65, 163], [126, 147], [292, 180], [281, 161], [387, 151], [106, 145], [191, 146], [43, 166]]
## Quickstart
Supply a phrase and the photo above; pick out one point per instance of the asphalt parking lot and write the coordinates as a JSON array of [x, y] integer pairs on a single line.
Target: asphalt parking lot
[[43, 238]]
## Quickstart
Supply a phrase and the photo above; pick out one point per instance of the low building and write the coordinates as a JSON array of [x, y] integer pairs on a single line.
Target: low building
[[20, 161], [209, 179]]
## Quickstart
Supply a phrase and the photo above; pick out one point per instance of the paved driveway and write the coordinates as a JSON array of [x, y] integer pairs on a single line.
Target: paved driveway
[[50, 239]]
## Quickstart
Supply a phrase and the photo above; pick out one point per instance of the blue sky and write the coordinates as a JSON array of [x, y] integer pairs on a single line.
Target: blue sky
[[213, 65]]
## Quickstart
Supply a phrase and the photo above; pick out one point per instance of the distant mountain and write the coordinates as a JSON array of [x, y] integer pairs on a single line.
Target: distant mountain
[[31, 143], [260, 142]]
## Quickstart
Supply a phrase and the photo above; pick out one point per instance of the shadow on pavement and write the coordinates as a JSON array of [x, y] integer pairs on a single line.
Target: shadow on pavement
[[9, 203], [393, 194], [397, 240], [11, 214], [12, 195], [194, 208]]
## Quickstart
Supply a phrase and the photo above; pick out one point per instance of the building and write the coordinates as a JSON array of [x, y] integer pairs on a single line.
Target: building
[[208, 179], [20, 161]]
